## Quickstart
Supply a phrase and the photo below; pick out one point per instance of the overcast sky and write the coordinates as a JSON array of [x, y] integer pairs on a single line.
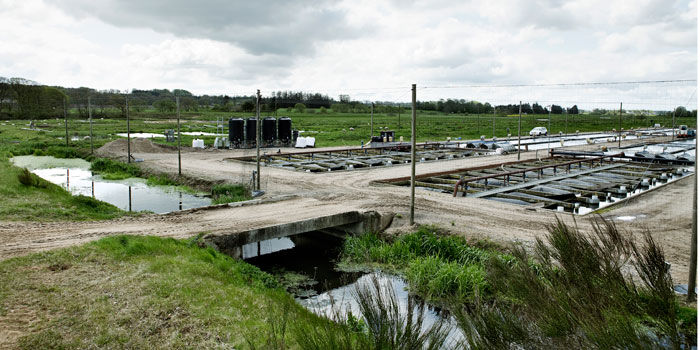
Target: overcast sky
[[369, 49]]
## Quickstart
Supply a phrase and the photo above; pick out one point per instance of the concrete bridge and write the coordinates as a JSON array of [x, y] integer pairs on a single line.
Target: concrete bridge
[[339, 224]]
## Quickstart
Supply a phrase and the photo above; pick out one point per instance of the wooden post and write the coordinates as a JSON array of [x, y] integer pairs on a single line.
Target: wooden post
[[520, 118], [566, 121], [90, 118], [673, 125], [371, 121], [128, 134], [65, 119], [179, 158], [257, 139], [619, 131], [494, 122], [692, 270], [413, 153]]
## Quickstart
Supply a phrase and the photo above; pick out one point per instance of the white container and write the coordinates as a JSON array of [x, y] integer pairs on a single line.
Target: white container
[[310, 141], [301, 142]]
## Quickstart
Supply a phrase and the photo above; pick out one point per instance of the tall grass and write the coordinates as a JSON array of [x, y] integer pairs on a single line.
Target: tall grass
[[438, 267], [114, 170], [229, 193], [579, 296]]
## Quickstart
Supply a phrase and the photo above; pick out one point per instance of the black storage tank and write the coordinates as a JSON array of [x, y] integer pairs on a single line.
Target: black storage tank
[[284, 130], [236, 130], [250, 125], [269, 130]]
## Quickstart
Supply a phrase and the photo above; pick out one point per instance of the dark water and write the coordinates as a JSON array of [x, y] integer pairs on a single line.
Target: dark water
[[315, 255]]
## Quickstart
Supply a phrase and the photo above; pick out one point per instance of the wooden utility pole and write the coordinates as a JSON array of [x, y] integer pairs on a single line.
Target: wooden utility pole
[[619, 131], [520, 118], [371, 121], [413, 153], [179, 158], [673, 125], [494, 121], [65, 119], [257, 139], [400, 108], [128, 130], [692, 271], [90, 118]]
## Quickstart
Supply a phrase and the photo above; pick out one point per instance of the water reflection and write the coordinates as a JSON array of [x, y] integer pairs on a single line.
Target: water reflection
[[130, 194]]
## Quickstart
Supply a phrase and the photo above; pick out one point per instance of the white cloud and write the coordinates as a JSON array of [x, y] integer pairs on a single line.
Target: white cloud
[[353, 46]]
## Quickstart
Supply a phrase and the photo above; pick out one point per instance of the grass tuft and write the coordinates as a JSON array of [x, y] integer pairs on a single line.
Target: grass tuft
[[229, 193]]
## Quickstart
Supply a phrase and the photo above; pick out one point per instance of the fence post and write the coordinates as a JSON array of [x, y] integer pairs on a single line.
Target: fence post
[[413, 153]]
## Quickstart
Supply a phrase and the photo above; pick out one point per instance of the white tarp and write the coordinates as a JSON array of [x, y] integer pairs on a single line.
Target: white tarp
[[303, 142], [197, 143]]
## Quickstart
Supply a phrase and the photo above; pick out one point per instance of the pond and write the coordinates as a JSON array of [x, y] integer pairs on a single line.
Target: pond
[[131, 194]]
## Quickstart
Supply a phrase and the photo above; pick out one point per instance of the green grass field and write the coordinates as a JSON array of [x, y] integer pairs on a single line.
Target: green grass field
[[334, 129]]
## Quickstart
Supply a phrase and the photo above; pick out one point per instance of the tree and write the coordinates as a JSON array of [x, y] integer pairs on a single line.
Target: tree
[[164, 105], [573, 110], [557, 109], [300, 107], [248, 106], [188, 103], [5, 94]]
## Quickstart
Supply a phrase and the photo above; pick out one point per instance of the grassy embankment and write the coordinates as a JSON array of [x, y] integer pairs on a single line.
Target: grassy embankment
[[571, 292], [138, 293], [40, 200]]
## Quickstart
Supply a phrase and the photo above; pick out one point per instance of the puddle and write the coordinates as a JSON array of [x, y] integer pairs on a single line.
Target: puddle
[[130, 194], [329, 291]]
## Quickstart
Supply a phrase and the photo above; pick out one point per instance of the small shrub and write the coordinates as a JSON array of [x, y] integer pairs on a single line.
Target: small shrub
[[27, 178]]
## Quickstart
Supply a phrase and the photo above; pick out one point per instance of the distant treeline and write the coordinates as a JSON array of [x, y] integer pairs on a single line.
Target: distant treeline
[[25, 99]]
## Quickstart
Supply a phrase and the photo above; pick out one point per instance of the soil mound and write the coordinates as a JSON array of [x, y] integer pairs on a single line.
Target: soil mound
[[118, 147]]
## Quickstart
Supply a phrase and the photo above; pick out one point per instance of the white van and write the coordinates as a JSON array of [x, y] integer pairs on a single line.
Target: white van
[[539, 131]]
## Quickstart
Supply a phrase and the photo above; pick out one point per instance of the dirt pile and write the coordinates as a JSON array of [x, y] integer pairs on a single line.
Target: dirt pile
[[118, 148]]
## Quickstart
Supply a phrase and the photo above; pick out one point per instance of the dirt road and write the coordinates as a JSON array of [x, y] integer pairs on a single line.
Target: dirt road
[[666, 212]]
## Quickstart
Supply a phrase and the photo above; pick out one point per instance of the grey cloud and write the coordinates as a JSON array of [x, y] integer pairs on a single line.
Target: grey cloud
[[260, 27]]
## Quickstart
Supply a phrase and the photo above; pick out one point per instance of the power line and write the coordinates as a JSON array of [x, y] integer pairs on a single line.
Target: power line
[[559, 84]]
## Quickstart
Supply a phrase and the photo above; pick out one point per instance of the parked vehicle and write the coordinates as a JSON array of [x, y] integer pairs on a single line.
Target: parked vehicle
[[683, 132], [538, 131]]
